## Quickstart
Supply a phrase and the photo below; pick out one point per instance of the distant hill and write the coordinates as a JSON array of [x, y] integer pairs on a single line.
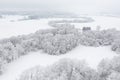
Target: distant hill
[[40, 14]]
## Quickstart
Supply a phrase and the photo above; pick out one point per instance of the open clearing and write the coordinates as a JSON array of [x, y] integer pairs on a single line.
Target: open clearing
[[91, 55]]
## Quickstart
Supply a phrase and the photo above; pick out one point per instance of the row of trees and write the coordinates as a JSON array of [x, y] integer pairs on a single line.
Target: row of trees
[[110, 69], [60, 44], [56, 23], [116, 46], [67, 69], [99, 38], [52, 41], [55, 42]]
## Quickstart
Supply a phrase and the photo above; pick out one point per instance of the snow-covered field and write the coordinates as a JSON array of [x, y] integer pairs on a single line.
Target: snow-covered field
[[103, 21], [91, 55], [10, 26]]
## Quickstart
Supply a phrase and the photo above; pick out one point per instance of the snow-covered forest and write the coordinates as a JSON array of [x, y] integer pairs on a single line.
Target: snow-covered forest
[[59, 40]]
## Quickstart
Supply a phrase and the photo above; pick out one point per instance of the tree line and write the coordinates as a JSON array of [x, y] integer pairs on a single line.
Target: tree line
[[56, 41]]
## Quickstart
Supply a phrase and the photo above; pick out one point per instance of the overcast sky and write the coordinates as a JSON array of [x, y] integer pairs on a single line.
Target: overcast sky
[[82, 6]]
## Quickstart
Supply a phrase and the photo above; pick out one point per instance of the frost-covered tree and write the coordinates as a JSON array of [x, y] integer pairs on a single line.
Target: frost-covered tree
[[108, 36], [15, 40], [89, 38], [30, 45], [104, 69], [2, 65], [98, 38], [19, 50], [9, 52], [110, 69], [115, 62], [116, 46], [60, 44], [65, 69], [114, 76]]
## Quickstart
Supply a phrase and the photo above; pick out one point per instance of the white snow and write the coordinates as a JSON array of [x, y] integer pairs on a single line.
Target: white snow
[[8, 28], [13, 17], [92, 55], [103, 21]]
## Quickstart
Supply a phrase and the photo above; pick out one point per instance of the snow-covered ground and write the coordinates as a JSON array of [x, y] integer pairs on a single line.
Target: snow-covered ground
[[104, 22], [10, 26], [91, 55]]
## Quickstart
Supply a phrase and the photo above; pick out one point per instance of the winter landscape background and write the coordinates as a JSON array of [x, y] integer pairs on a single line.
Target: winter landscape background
[[59, 40]]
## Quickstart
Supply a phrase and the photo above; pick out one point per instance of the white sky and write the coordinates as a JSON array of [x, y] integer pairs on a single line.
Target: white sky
[[64, 5]]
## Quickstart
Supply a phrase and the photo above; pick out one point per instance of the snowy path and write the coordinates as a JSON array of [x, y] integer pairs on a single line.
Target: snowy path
[[91, 55]]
